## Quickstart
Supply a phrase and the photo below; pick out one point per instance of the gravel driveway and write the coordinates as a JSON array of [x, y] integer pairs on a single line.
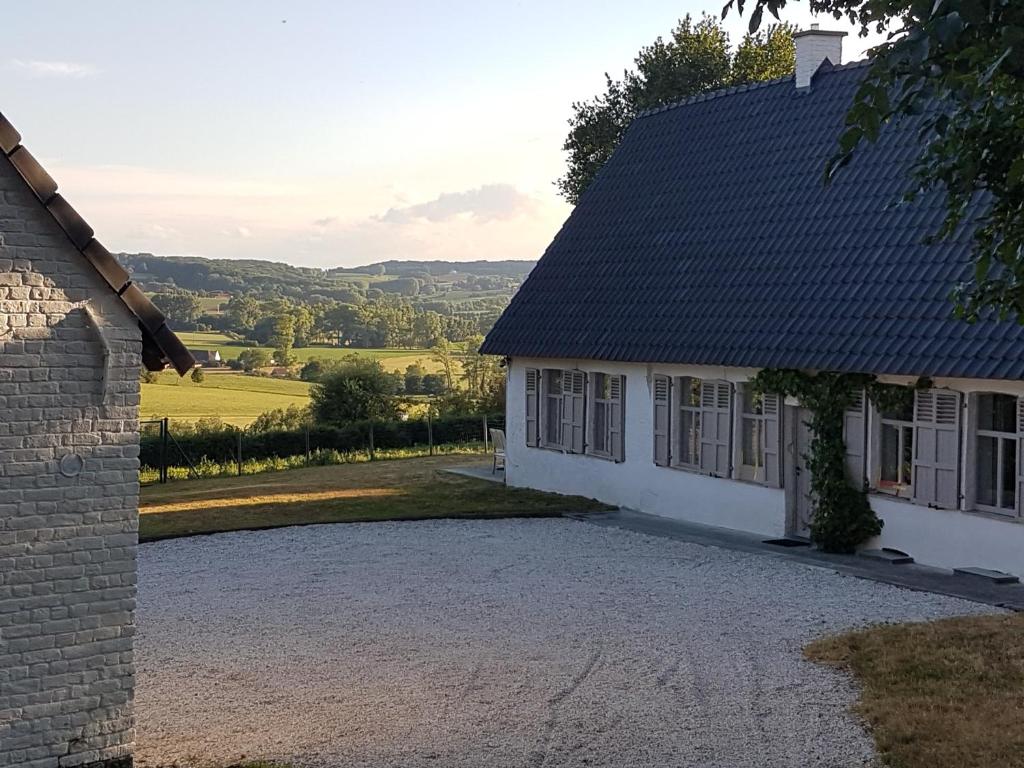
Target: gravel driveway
[[492, 644]]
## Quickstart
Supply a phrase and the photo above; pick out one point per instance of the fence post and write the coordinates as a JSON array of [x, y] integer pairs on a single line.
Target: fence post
[[371, 442], [486, 434], [430, 433], [239, 453], [163, 449], [307, 446]]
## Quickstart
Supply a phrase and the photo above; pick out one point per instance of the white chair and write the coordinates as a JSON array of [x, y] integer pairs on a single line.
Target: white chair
[[498, 444]]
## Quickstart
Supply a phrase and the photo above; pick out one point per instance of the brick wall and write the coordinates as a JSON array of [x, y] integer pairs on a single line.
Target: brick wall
[[68, 497]]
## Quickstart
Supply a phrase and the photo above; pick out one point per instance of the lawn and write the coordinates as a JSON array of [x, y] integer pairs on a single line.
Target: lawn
[[944, 694], [233, 397], [393, 359], [406, 489]]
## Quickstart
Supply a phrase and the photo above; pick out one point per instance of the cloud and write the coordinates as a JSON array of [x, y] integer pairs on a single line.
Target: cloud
[[491, 202], [240, 231], [69, 69], [325, 222]]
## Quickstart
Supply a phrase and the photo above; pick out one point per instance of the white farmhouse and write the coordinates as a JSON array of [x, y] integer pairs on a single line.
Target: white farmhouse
[[74, 332], [709, 248]]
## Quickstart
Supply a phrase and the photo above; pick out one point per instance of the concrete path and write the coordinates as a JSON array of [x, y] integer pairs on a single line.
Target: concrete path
[[911, 576], [505, 643]]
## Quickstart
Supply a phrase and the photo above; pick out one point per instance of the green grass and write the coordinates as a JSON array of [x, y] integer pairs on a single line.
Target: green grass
[[393, 359], [942, 694], [233, 397], [412, 489]]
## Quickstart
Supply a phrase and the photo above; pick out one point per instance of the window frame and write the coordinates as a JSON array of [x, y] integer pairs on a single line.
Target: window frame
[[607, 404], [899, 490], [752, 473], [676, 434], [545, 412], [564, 424], [971, 465]]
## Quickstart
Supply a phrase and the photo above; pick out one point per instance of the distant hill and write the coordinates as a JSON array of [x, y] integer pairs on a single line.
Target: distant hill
[[424, 282]]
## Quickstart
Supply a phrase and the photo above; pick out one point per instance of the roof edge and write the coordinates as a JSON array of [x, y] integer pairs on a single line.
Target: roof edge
[[732, 89], [160, 345]]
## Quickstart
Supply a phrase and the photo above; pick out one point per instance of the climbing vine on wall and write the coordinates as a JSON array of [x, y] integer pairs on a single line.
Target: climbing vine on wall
[[843, 518]]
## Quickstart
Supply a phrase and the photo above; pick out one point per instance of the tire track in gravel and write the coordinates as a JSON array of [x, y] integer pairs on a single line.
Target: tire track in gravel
[[539, 756]]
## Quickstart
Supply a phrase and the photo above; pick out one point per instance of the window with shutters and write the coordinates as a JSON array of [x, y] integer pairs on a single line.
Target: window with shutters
[[607, 425], [563, 410], [996, 440], [760, 445], [917, 449]]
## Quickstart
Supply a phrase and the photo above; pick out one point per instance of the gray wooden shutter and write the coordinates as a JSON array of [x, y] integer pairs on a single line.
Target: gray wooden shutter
[[715, 427], [855, 433], [576, 439], [937, 448], [662, 420], [772, 409], [616, 417], [532, 406], [1020, 454]]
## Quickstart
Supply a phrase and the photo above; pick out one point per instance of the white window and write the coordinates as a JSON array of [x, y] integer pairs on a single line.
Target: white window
[[607, 425], [563, 410], [760, 437], [532, 406], [896, 450], [552, 435], [996, 441], [693, 424]]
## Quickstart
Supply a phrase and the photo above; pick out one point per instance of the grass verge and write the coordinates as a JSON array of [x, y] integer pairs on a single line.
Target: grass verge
[[945, 694], [390, 490]]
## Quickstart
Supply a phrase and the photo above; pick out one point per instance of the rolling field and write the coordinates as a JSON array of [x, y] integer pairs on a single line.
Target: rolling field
[[392, 359], [234, 398]]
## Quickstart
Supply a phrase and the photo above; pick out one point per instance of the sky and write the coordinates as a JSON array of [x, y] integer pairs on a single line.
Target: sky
[[317, 132]]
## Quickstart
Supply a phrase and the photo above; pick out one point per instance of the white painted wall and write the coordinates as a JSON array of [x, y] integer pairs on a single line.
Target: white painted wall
[[637, 483], [944, 538]]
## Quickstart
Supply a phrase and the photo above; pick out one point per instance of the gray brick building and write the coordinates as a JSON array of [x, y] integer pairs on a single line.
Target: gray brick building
[[74, 331]]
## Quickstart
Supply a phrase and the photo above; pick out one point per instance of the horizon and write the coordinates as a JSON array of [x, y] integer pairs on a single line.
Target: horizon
[[443, 147]]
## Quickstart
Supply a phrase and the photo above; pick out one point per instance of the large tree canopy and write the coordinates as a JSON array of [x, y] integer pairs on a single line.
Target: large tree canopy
[[968, 56], [696, 58]]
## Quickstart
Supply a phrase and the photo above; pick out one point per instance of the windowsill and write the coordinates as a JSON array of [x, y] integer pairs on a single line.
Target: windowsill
[[695, 471], [894, 495], [602, 456]]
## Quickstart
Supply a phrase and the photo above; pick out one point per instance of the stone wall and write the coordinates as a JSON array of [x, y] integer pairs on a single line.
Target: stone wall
[[69, 396]]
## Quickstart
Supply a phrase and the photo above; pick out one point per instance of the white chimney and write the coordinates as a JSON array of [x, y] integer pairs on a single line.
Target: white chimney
[[813, 46]]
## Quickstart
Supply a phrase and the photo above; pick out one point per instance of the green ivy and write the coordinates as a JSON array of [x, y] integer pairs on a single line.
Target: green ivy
[[843, 518]]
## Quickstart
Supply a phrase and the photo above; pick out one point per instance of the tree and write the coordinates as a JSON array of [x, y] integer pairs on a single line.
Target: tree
[[695, 59], [197, 375], [282, 338], [968, 56], [444, 354], [241, 313], [251, 359], [413, 379], [358, 390], [180, 307]]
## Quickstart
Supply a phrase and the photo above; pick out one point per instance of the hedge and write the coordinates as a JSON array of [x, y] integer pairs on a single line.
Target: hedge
[[223, 445]]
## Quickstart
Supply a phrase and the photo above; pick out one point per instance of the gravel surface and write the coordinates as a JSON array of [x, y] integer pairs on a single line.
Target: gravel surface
[[495, 643]]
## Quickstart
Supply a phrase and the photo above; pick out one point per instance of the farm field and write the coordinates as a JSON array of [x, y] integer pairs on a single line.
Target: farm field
[[392, 359], [233, 397]]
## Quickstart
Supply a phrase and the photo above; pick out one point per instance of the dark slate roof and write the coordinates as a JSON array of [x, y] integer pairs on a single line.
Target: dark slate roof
[[159, 344], [710, 238]]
